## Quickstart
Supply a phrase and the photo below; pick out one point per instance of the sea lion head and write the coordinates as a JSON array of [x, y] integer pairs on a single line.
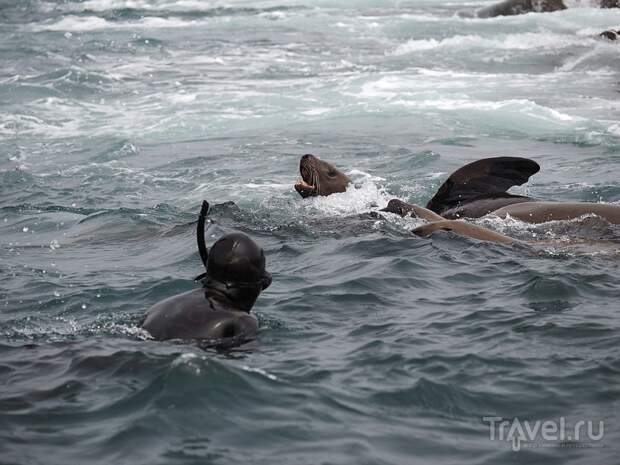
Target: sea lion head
[[320, 178], [610, 35], [400, 208], [236, 268]]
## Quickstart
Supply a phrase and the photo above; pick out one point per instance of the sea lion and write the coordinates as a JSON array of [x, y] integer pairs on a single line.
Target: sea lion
[[519, 7], [219, 311], [463, 229], [320, 178], [611, 34], [479, 188], [401, 208], [437, 223], [541, 212]]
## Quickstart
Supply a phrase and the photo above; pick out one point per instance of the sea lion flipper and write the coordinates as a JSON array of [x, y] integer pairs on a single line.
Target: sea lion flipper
[[427, 229], [486, 177], [463, 228], [403, 209]]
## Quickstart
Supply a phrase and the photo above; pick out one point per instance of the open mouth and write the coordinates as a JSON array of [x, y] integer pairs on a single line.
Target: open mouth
[[309, 187], [304, 189], [304, 185]]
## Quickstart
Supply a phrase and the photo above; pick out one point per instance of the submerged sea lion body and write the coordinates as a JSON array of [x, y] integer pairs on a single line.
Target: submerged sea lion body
[[532, 212], [484, 206], [541, 212], [464, 229]]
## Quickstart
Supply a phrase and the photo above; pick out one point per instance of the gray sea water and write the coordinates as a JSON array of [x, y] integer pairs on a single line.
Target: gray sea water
[[117, 117]]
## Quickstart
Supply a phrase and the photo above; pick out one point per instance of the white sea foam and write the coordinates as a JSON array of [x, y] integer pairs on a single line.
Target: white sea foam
[[57, 330], [72, 23], [316, 111], [149, 5], [269, 186], [603, 51], [364, 195], [407, 93], [260, 371], [185, 358], [144, 103], [522, 41], [614, 129]]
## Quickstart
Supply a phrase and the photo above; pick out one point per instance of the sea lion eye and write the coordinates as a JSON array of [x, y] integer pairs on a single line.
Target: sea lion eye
[[331, 173]]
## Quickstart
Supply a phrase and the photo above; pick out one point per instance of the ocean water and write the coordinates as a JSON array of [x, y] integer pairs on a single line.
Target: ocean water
[[117, 117]]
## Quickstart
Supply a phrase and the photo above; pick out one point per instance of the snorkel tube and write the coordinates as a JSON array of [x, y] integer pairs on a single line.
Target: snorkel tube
[[200, 237]]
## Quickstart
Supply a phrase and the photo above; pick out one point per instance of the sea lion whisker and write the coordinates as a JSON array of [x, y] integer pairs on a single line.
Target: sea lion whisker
[[316, 182]]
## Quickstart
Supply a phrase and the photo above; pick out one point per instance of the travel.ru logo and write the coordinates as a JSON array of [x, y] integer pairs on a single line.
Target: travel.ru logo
[[548, 433]]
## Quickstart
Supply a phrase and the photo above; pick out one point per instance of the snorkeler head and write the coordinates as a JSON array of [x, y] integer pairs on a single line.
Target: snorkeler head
[[235, 265], [238, 261], [236, 269]]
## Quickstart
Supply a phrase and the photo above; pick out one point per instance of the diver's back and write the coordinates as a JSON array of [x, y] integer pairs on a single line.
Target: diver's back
[[192, 315]]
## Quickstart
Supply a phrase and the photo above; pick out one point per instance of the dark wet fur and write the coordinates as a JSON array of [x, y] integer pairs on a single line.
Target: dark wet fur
[[611, 34], [478, 207], [480, 187], [400, 208], [518, 7], [610, 3], [324, 177], [218, 313]]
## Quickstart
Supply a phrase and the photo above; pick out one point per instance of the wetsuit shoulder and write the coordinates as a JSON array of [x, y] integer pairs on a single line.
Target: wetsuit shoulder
[[192, 315]]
